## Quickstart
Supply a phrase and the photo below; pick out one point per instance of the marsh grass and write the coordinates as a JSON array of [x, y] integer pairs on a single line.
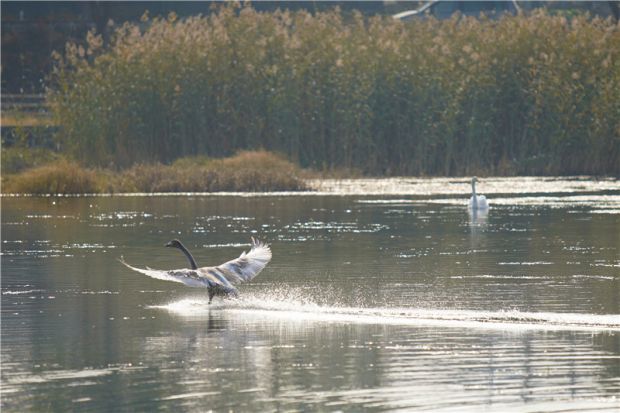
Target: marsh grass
[[536, 94], [59, 177], [255, 171]]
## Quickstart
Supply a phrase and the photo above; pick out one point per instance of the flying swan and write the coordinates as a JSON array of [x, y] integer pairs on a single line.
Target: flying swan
[[218, 280], [477, 202]]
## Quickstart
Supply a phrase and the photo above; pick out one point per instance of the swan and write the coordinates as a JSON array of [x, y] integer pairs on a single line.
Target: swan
[[477, 202], [218, 280]]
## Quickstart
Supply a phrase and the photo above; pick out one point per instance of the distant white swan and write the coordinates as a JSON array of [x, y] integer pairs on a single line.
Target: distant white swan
[[218, 280], [477, 202]]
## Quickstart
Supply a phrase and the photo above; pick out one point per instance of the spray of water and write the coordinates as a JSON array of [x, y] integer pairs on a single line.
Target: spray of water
[[293, 306]]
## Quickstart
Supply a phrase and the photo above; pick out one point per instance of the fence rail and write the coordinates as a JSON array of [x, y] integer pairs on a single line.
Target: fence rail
[[23, 103], [24, 110]]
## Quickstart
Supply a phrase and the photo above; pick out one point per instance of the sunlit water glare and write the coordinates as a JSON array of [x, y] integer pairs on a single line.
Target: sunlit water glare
[[266, 308], [382, 295]]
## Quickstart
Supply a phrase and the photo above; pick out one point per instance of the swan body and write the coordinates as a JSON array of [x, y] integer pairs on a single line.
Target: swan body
[[218, 280], [477, 202]]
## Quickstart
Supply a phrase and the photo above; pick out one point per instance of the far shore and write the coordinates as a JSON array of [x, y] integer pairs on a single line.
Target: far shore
[[450, 189]]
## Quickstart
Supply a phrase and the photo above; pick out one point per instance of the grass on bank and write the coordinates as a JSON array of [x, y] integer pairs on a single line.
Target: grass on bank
[[253, 171]]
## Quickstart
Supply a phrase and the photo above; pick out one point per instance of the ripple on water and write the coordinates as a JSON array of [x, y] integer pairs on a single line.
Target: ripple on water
[[334, 227], [308, 350], [527, 263]]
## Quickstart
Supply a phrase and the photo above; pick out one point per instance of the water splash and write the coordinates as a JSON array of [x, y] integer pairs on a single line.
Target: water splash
[[298, 310]]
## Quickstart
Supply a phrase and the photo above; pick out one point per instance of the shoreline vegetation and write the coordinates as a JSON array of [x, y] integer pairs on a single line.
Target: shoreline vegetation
[[245, 101], [259, 172], [532, 94], [255, 171]]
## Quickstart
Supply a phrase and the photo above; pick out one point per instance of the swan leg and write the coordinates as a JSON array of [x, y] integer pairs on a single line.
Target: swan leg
[[211, 294]]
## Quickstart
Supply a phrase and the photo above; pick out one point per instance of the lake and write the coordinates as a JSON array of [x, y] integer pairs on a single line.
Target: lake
[[382, 295]]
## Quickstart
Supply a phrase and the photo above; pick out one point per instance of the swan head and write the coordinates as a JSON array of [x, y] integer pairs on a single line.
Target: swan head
[[474, 180], [175, 243]]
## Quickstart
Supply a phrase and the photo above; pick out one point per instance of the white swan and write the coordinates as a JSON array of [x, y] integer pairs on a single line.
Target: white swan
[[477, 202], [218, 280]]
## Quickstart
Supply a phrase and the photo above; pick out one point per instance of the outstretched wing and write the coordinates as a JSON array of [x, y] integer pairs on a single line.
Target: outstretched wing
[[185, 276], [247, 266], [244, 268]]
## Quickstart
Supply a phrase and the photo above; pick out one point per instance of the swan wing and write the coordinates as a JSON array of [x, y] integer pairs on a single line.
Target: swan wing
[[244, 268], [191, 278], [479, 202], [482, 202]]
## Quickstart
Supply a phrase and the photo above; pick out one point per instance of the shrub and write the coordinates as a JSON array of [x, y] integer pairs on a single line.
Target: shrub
[[246, 171], [60, 177]]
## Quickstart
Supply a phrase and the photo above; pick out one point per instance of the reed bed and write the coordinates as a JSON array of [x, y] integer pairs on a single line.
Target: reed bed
[[536, 94], [255, 171], [59, 177]]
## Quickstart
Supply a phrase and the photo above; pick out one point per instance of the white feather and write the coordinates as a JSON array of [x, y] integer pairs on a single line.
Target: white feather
[[248, 265], [179, 276], [241, 269], [477, 202], [480, 202]]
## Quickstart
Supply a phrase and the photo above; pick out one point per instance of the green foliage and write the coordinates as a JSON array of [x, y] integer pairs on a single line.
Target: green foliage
[[520, 95], [25, 147], [16, 158], [246, 171]]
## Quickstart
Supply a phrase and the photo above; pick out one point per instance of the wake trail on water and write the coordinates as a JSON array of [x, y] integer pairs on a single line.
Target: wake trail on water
[[254, 307]]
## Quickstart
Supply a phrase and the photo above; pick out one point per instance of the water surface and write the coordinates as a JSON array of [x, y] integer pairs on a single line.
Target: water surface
[[387, 296]]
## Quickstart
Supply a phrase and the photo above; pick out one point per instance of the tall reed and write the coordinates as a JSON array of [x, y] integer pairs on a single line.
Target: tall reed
[[535, 94]]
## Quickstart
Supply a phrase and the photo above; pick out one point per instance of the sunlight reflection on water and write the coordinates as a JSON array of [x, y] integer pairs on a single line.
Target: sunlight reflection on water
[[262, 307], [399, 301]]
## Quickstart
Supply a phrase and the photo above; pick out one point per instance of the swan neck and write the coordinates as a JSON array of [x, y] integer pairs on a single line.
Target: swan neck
[[191, 260], [473, 188]]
